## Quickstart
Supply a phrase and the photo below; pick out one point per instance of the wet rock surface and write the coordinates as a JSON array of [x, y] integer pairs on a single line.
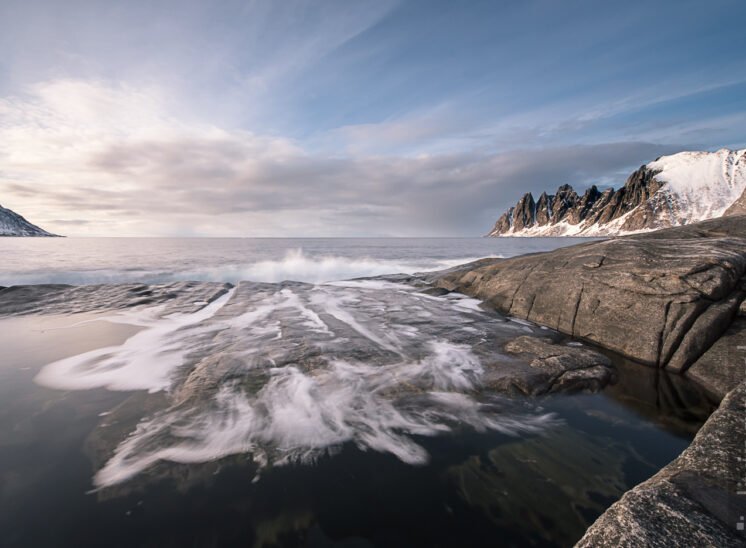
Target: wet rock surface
[[662, 298], [556, 368], [692, 501], [286, 372], [671, 299], [70, 299]]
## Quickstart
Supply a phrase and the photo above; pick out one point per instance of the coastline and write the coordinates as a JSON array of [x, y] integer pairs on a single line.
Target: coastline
[[695, 271], [671, 299]]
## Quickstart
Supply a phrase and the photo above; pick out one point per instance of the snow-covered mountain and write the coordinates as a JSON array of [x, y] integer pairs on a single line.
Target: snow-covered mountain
[[12, 224], [671, 191]]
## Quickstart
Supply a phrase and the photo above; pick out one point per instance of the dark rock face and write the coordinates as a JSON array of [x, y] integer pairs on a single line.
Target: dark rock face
[[661, 298], [12, 224], [505, 221], [595, 208], [563, 202], [524, 212], [693, 501]]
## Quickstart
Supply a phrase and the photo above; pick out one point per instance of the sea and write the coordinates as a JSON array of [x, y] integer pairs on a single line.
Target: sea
[[80, 261], [98, 447]]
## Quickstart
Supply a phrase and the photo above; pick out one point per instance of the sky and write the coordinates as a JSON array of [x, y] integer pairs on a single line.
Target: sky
[[351, 117]]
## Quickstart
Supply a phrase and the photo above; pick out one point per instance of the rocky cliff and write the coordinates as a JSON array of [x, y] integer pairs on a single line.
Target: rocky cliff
[[671, 191], [12, 224]]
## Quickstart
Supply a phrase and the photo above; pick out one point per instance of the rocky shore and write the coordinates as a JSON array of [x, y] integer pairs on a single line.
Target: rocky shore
[[670, 299]]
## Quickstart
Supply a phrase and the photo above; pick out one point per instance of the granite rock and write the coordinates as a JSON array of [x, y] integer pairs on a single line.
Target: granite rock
[[661, 298], [691, 502]]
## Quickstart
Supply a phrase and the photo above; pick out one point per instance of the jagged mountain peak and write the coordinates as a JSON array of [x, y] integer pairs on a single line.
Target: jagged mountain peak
[[670, 191]]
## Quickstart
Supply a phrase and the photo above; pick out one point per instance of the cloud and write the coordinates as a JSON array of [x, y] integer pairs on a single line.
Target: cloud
[[89, 157]]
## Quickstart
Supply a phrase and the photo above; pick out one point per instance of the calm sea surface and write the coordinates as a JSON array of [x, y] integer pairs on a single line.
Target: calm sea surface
[[498, 482]]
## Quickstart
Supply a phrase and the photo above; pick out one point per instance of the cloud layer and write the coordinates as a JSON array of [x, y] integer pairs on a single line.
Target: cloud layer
[[85, 157], [347, 118]]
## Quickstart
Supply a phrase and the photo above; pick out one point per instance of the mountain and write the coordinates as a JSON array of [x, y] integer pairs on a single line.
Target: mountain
[[671, 191], [12, 224]]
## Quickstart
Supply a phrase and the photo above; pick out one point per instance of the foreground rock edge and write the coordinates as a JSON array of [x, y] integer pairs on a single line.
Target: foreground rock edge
[[693, 501], [662, 299]]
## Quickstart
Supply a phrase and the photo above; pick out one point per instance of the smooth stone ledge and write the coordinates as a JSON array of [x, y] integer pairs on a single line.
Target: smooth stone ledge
[[663, 298], [695, 500], [673, 299]]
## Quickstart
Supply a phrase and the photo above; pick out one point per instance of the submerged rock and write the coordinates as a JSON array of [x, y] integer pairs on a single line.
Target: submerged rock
[[668, 299]]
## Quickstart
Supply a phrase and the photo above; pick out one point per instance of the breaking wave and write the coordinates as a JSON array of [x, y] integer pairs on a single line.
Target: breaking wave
[[295, 265]]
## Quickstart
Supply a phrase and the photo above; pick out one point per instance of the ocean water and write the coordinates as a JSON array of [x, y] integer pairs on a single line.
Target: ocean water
[[315, 412], [153, 260]]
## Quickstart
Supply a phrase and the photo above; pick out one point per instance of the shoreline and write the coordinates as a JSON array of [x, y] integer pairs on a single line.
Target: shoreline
[[672, 299], [700, 271]]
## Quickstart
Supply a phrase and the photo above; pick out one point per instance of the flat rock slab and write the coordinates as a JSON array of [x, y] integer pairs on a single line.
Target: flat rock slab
[[661, 298], [693, 501]]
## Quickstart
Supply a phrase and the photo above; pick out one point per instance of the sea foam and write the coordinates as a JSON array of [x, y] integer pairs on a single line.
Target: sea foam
[[289, 372]]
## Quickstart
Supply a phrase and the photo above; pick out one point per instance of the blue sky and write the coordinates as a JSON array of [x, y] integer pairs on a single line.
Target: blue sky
[[348, 118]]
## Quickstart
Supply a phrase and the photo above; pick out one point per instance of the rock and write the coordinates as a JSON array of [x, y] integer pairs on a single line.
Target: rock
[[661, 298], [693, 501], [723, 365], [12, 224], [68, 299], [738, 207], [361, 361], [537, 366], [671, 191], [559, 368], [543, 211], [524, 212]]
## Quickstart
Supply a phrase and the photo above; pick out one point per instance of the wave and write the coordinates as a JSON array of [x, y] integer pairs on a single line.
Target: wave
[[295, 265], [289, 372]]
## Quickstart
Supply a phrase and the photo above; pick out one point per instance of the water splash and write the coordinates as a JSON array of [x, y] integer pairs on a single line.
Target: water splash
[[288, 372]]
